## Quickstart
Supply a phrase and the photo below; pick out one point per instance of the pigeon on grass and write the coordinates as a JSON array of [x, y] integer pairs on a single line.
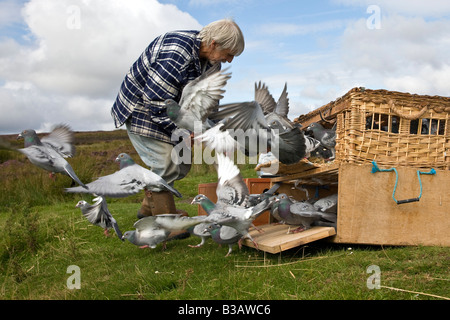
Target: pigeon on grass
[[49, 153], [224, 235], [152, 230], [129, 180], [98, 214]]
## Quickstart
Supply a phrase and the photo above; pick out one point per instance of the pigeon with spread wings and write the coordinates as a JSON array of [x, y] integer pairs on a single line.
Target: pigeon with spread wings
[[129, 180], [254, 131], [98, 214], [49, 152]]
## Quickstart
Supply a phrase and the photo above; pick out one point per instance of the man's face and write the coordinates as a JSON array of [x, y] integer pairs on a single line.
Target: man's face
[[217, 54]]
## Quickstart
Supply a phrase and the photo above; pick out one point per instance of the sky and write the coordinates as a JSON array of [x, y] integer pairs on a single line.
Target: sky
[[63, 61]]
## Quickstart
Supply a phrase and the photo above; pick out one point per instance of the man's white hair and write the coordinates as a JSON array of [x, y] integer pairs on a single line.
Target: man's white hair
[[226, 33]]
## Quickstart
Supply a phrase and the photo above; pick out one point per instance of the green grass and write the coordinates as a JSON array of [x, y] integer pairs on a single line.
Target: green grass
[[42, 234]]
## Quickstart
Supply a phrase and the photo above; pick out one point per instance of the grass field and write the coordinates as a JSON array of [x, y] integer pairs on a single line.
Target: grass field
[[43, 236]]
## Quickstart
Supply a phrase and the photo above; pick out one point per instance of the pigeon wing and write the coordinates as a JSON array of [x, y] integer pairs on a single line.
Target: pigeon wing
[[282, 107], [230, 180], [264, 98], [243, 115], [201, 96], [109, 217], [116, 185], [229, 234], [61, 140]]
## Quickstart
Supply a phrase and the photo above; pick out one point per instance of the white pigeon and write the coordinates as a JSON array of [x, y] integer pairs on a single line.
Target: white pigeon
[[98, 214], [49, 153], [198, 99], [129, 180]]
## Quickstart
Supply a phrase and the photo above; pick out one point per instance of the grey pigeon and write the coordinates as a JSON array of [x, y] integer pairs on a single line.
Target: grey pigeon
[[146, 235], [152, 230], [238, 217], [99, 215], [247, 124], [49, 153], [201, 231], [300, 213], [224, 235], [327, 137], [327, 204], [198, 99], [129, 180]]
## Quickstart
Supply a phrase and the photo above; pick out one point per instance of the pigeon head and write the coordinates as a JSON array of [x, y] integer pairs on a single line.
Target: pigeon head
[[315, 126], [283, 205], [124, 160], [30, 137], [199, 198], [81, 204], [130, 236], [213, 229], [204, 201], [172, 108]]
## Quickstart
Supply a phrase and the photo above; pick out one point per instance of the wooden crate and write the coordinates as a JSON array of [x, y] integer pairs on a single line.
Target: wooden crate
[[392, 128], [367, 212], [401, 130], [254, 185]]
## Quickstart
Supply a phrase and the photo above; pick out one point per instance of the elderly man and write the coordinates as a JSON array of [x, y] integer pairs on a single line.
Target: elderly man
[[163, 69]]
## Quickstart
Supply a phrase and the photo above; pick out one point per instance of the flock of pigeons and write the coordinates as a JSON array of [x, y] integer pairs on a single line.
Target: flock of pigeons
[[229, 219]]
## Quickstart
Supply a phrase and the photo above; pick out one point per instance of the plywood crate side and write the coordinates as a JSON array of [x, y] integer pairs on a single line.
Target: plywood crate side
[[367, 213]]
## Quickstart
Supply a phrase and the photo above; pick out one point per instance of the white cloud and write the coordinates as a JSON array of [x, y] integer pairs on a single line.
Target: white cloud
[[78, 53], [429, 8], [407, 53]]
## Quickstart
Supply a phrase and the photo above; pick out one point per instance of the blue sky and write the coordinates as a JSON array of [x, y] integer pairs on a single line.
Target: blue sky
[[63, 61]]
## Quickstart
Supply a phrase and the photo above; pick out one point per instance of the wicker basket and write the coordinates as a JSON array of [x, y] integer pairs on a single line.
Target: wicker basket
[[392, 128]]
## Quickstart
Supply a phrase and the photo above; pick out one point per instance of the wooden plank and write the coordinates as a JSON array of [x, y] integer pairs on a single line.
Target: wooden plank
[[325, 170], [275, 237]]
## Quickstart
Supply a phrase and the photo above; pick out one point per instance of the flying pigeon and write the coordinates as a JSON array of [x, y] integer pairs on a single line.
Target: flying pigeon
[[49, 153], [99, 215], [231, 188], [198, 99], [129, 180], [224, 235], [327, 137], [275, 113], [253, 133], [300, 213], [153, 230]]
